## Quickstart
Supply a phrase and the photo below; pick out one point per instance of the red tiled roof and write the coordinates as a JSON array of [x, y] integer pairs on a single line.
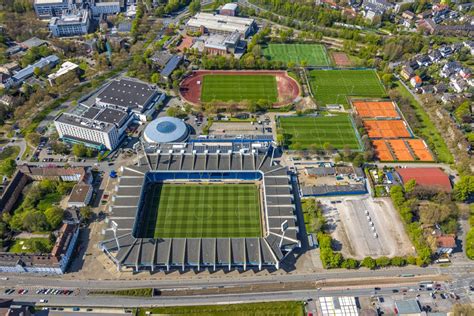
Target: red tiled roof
[[446, 241], [431, 177]]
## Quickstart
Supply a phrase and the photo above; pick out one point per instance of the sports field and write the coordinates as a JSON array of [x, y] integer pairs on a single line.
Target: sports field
[[202, 210], [312, 132], [239, 88], [334, 86], [312, 54]]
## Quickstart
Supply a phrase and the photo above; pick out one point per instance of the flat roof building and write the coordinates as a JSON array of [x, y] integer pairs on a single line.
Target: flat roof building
[[46, 9], [221, 24], [65, 68], [81, 195], [408, 308], [100, 120], [20, 76], [338, 306], [71, 23]]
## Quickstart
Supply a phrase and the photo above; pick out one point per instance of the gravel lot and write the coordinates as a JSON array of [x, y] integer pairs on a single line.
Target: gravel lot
[[351, 227]]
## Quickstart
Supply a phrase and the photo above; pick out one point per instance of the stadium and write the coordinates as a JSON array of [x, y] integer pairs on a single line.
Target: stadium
[[173, 211]]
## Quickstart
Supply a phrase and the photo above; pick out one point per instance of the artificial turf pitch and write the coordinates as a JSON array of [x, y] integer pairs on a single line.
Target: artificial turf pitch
[[334, 86], [312, 54], [312, 132], [239, 88], [202, 211]]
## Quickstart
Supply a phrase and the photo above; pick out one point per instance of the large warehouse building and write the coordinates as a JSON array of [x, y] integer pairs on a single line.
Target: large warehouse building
[[129, 244], [221, 24]]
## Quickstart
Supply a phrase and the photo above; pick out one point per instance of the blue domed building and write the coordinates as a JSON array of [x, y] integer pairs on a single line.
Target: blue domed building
[[166, 129]]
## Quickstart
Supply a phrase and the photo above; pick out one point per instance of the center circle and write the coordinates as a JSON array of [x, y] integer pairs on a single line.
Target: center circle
[[166, 127]]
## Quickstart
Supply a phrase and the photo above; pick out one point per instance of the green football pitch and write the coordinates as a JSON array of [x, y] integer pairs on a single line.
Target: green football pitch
[[312, 132], [312, 54], [334, 86], [239, 88], [202, 211]]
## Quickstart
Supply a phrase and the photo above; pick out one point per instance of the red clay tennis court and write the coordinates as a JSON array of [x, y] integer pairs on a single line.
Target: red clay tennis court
[[420, 149], [382, 151], [400, 149], [386, 129], [375, 109]]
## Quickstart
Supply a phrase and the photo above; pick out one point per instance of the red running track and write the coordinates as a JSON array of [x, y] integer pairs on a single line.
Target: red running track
[[288, 88]]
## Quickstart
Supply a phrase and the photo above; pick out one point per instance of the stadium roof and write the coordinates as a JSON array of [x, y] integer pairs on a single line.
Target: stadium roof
[[166, 129], [268, 250], [428, 177]]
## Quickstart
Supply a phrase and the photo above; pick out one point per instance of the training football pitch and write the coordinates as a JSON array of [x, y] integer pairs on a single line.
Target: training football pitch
[[312, 54], [334, 86], [312, 132], [202, 211], [239, 88]]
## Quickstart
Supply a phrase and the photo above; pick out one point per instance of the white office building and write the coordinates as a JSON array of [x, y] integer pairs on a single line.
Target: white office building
[[46, 9], [221, 24], [100, 121], [70, 23], [105, 8]]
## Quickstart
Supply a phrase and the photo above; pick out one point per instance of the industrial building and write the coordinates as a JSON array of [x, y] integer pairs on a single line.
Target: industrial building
[[72, 22], [124, 246], [105, 8], [100, 120], [230, 9], [46, 62], [221, 24]]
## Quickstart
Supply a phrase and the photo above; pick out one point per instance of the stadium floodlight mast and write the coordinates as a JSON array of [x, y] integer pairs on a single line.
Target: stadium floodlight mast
[[114, 229], [284, 227]]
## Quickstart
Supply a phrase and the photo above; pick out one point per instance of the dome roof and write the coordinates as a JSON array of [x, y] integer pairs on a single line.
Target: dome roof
[[166, 129]]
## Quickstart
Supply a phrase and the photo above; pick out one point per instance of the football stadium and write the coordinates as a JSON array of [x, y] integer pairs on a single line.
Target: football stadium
[[180, 209]]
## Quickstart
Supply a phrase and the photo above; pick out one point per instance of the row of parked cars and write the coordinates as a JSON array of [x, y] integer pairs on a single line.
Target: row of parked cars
[[54, 292]]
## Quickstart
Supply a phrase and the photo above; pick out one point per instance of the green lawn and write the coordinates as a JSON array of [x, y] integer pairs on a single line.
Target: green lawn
[[202, 210], [334, 86], [312, 54], [239, 88], [312, 132], [9, 152], [249, 309], [427, 130], [32, 245]]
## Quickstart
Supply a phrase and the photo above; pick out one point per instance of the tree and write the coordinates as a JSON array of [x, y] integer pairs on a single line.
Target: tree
[[194, 7], [8, 167], [382, 261], [463, 310], [37, 71], [54, 216], [368, 262], [410, 186], [79, 150], [86, 213], [33, 138], [464, 188], [398, 261], [350, 264], [35, 222]]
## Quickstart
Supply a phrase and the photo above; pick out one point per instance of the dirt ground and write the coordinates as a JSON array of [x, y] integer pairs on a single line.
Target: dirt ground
[[354, 232]]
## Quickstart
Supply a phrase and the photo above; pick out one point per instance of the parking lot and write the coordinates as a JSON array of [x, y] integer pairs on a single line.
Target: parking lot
[[364, 226]]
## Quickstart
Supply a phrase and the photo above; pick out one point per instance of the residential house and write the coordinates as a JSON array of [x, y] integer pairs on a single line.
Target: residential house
[[470, 45], [5, 81], [413, 64], [407, 72], [440, 88], [408, 15], [7, 100], [449, 69], [9, 68], [429, 25], [427, 89], [448, 98], [458, 84], [446, 51], [465, 73], [416, 82], [445, 244], [435, 56], [424, 14], [81, 195], [424, 61]]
